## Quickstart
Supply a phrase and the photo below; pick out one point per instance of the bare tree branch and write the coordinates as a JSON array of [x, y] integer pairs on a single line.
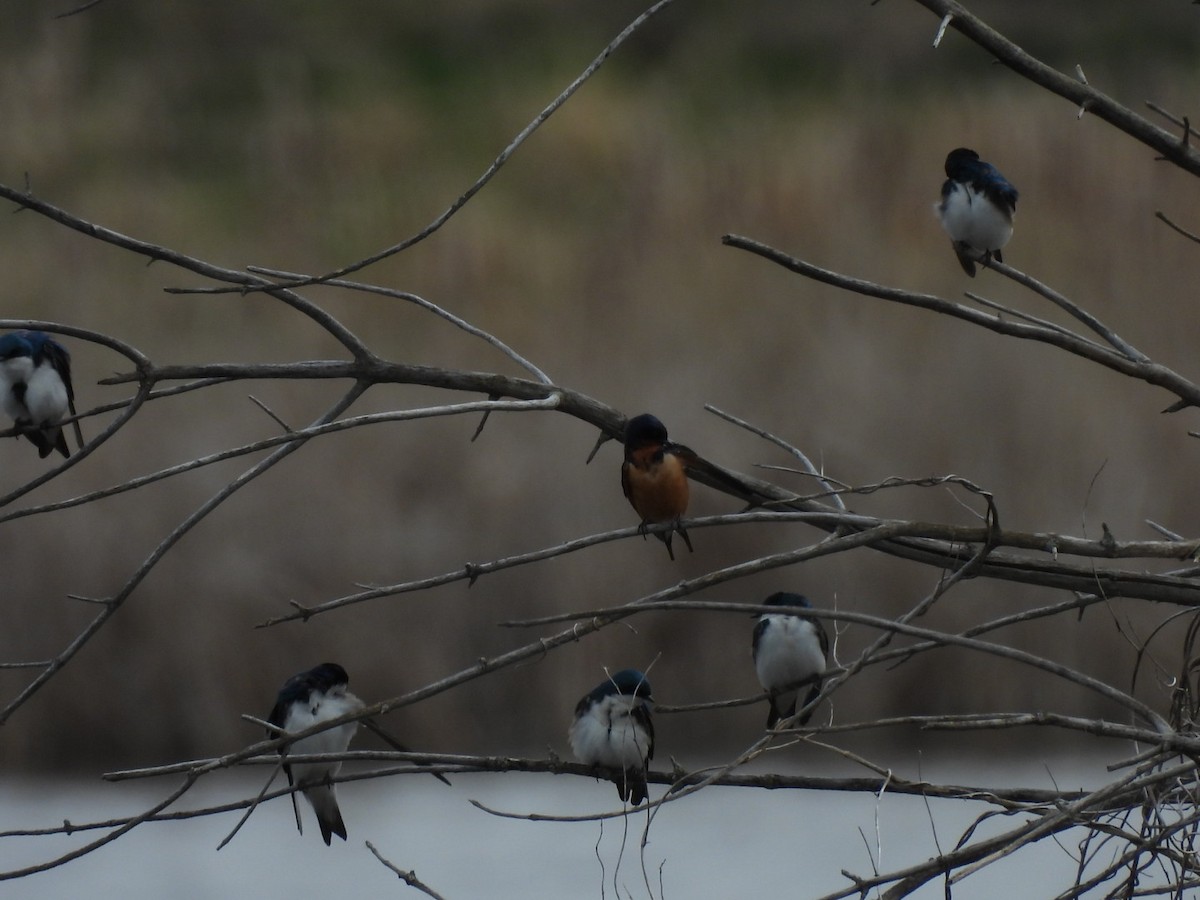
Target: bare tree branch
[[1151, 373], [1136, 833], [409, 877], [1080, 93]]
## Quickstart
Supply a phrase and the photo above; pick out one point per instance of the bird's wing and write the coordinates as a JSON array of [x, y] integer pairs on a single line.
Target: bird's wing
[[822, 634], [641, 715], [760, 628]]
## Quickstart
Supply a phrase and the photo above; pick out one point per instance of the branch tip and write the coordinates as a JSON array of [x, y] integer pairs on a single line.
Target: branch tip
[[941, 32], [600, 442]]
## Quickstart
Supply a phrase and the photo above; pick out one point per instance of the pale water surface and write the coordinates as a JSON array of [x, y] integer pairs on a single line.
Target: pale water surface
[[722, 842]]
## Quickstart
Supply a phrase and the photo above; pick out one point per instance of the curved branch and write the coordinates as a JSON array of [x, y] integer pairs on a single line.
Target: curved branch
[[484, 406], [1072, 309], [1171, 147], [988, 850], [1167, 736], [245, 282], [450, 317], [507, 152], [122, 827], [410, 877], [1149, 372], [113, 604], [131, 406]]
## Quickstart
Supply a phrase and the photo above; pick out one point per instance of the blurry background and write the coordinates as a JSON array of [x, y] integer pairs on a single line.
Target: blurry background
[[306, 135]]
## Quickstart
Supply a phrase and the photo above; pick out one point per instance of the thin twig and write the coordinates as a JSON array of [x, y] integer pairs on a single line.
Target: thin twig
[[491, 170], [1122, 362], [409, 877]]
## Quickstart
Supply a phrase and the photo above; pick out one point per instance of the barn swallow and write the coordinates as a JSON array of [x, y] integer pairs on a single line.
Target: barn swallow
[[35, 388], [654, 479], [612, 730], [788, 648], [307, 699], [976, 209]]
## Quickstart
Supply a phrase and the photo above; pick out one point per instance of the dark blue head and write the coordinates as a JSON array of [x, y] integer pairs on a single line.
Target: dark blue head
[[15, 344], [43, 345], [784, 598], [321, 678], [300, 687], [631, 681], [960, 163], [327, 675], [627, 682], [644, 431], [964, 166]]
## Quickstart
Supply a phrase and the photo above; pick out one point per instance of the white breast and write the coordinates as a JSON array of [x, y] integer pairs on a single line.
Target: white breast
[[321, 708], [789, 651], [46, 396], [971, 218], [607, 735]]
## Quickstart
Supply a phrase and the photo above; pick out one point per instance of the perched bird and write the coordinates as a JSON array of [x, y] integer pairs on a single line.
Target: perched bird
[[788, 649], [35, 388], [976, 209], [317, 695], [653, 477], [612, 729]]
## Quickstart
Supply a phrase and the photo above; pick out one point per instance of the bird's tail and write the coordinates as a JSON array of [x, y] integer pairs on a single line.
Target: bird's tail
[[329, 816], [57, 441], [47, 440], [631, 786], [781, 706], [812, 696]]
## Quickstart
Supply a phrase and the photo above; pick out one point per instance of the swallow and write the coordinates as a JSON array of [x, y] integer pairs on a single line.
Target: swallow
[[977, 208], [35, 388], [612, 730], [789, 649], [654, 477], [307, 699]]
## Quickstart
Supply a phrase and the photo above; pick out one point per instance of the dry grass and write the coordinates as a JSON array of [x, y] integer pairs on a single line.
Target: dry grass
[[597, 254]]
